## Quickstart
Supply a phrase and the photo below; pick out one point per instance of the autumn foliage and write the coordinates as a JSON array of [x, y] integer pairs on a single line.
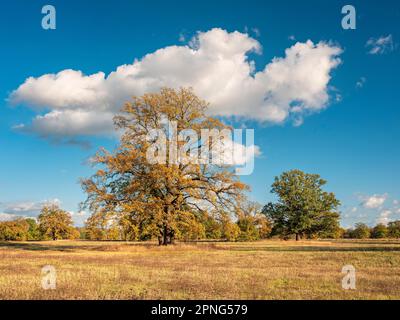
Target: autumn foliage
[[53, 223], [167, 200]]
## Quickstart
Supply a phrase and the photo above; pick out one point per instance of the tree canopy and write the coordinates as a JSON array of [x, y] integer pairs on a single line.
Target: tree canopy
[[55, 223], [161, 199], [303, 207]]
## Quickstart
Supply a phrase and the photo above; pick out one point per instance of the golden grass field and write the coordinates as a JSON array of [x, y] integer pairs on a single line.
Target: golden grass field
[[270, 269]]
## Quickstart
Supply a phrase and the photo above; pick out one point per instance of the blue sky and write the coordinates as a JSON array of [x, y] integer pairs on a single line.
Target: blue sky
[[351, 139]]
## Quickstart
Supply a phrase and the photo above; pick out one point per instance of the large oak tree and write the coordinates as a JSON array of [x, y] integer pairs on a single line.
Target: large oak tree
[[162, 200]]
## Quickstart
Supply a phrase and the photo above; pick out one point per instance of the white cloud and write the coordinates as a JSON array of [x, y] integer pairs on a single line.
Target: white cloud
[[374, 201], [9, 216], [380, 45], [26, 208], [384, 217], [30, 209], [80, 213], [216, 64], [360, 83]]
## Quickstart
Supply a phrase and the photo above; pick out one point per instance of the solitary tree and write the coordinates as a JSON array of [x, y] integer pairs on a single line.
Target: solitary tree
[[361, 231], [303, 207], [55, 223], [164, 198]]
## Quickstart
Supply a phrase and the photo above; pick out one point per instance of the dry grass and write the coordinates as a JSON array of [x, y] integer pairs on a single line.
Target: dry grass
[[257, 270]]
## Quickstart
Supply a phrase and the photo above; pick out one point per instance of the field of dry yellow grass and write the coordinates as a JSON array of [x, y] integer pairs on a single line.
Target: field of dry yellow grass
[[269, 269]]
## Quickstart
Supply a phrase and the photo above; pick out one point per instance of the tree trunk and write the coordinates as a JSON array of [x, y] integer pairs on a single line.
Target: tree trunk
[[297, 237], [165, 236], [172, 237]]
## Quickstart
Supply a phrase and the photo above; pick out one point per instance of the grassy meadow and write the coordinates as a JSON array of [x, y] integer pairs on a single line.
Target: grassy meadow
[[270, 269]]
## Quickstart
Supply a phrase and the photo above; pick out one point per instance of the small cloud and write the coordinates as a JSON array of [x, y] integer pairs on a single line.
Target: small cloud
[[380, 45], [360, 83], [256, 32], [384, 217], [182, 37], [9, 216], [78, 214], [374, 201], [292, 38], [20, 126]]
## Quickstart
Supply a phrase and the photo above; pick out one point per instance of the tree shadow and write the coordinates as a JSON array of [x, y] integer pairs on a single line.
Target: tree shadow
[[101, 246], [314, 248], [34, 246]]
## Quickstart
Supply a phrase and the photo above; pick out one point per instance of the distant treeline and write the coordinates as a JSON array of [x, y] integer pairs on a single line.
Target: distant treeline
[[52, 224], [246, 228], [362, 231]]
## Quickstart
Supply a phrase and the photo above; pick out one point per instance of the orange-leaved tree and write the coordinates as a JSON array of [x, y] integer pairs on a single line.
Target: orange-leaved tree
[[163, 198], [55, 223]]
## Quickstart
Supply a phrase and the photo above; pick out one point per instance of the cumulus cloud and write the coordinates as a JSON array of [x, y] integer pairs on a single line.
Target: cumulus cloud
[[374, 201], [380, 45], [26, 208], [215, 63], [377, 208], [31, 209]]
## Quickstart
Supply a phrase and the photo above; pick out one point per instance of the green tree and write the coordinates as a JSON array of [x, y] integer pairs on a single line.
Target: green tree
[[33, 232], [212, 226], [303, 208], [55, 223], [379, 231], [361, 231], [394, 229], [248, 228]]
